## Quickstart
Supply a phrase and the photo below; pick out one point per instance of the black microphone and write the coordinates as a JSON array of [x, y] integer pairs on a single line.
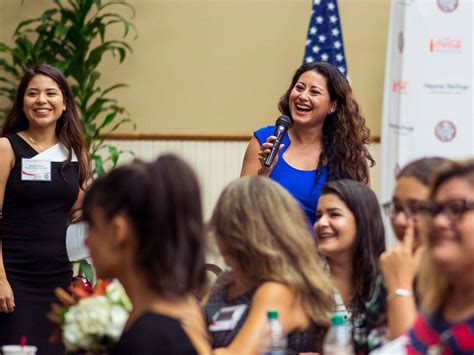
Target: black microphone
[[281, 126]]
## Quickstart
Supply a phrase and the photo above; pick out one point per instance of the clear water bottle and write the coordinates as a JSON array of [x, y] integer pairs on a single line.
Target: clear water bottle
[[338, 340], [273, 341]]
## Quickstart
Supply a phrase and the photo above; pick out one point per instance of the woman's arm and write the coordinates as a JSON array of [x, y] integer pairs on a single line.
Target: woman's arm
[[399, 267], [271, 295], [7, 159], [255, 155], [251, 164], [76, 210]]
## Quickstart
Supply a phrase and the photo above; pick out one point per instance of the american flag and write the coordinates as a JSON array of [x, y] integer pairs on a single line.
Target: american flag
[[324, 43]]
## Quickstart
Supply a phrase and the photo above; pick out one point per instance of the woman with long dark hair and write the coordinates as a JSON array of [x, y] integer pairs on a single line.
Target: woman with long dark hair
[[350, 236], [327, 140], [146, 230], [44, 167]]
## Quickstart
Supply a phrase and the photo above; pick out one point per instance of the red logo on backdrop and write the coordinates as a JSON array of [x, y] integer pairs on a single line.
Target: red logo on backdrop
[[445, 45], [401, 42], [400, 86], [445, 131], [447, 5]]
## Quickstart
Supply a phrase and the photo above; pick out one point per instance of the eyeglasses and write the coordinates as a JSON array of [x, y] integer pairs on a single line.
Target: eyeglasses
[[411, 208], [453, 209]]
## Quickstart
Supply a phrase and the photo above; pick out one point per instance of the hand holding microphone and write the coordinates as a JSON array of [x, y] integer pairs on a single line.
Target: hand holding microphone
[[268, 154]]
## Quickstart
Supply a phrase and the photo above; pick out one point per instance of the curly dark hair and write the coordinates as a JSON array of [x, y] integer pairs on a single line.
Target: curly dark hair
[[162, 202], [345, 134], [68, 128], [370, 236]]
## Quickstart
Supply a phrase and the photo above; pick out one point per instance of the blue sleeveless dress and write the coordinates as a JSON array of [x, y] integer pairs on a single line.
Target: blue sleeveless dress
[[304, 185]]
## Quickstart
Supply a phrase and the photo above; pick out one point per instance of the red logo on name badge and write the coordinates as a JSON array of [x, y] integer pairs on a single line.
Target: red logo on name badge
[[447, 5], [445, 131]]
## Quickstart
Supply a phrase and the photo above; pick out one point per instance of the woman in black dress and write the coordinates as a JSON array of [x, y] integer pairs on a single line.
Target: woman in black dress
[[146, 229], [43, 165]]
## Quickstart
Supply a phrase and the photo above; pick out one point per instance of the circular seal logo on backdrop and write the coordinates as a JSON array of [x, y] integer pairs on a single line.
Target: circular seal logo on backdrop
[[401, 42], [447, 5], [445, 131]]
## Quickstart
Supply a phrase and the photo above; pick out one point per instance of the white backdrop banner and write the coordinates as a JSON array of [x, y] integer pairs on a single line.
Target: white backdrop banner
[[428, 94]]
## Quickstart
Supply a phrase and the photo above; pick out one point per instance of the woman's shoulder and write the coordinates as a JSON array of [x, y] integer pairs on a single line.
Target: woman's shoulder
[[154, 322], [154, 333], [5, 143], [273, 291], [6, 150], [263, 133]]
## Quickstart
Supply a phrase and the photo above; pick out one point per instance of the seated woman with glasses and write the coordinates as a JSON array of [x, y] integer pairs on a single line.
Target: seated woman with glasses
[[446, 280], [400, 263], [350, 236]]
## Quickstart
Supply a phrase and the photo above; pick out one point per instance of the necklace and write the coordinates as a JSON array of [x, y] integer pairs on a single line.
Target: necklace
[[35, 143]]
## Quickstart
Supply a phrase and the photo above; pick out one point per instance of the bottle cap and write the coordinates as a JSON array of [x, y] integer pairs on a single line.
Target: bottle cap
[[272, 314], [337, 319]]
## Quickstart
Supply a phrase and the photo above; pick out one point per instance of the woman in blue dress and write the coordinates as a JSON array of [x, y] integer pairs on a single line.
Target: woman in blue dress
[[327, 140]]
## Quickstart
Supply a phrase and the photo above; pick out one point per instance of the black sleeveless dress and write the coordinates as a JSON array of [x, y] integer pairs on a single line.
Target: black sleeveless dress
[[154, 334], [33, 234]]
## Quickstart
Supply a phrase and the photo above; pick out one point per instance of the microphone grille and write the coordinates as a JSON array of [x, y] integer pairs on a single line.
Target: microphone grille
[[284, 121]]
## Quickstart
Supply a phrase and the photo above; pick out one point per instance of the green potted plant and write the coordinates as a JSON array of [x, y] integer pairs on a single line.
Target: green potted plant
[[73, 36]]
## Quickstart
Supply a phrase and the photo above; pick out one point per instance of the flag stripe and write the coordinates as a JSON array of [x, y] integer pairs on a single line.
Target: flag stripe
[[324, 41]]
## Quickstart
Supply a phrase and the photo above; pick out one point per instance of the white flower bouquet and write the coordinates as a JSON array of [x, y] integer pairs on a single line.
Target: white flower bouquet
[[90, 320]]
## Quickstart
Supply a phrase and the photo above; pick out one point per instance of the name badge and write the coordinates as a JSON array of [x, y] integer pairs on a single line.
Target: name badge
[[227, 318], [35, 170]]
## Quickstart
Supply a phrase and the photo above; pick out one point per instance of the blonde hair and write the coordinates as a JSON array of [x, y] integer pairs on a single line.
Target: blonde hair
[[433, 285], [261, 226]]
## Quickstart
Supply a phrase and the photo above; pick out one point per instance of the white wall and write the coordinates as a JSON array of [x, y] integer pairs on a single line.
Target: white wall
[[216, 162]]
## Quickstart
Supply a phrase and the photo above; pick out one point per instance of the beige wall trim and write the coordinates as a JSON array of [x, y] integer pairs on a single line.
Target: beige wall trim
[[139, 136], [136, 136]]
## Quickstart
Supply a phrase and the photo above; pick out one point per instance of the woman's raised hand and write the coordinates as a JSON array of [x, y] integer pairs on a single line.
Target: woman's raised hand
[[264, 151], [400, 264]]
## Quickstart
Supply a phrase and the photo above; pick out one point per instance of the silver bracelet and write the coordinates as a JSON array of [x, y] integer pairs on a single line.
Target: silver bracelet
[[401, 292]]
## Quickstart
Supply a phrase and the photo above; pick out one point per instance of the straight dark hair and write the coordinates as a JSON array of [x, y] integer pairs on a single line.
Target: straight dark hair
[[369, 239], [68, 128], [162, 202], [422, 169]]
